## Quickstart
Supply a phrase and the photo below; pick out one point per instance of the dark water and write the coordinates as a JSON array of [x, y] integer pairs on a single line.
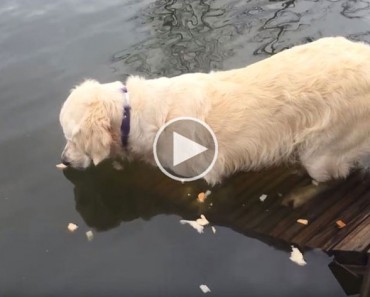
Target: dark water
[[45, 48]]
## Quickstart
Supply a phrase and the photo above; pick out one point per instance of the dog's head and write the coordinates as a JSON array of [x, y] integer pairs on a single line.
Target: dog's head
[[89, 117]]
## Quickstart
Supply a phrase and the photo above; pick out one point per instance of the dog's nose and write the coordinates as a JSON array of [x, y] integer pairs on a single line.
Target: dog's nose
[[65, 161]]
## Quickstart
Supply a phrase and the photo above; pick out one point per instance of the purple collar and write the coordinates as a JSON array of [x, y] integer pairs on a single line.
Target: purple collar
[[125, 125]]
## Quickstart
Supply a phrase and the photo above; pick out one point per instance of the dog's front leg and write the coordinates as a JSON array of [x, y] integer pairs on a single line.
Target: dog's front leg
[[302, 195]]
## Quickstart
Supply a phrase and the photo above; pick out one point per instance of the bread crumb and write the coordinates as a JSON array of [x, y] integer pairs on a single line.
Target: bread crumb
[[202, 220], [89, 235], [213, 230], [194, 224], [61, 166], [340, 224], [204, 289], [302, 221], [72, 227], [197, 224], [297, 257], [201, 197], [263, 197]]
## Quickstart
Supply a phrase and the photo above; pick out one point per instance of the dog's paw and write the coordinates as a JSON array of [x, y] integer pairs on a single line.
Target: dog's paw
[[117, 165], [300, 196], [293, 201]]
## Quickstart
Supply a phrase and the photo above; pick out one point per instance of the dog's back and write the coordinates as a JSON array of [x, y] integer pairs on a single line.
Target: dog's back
[[312, 100]]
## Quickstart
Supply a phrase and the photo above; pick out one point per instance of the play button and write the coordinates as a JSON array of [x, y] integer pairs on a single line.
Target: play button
[[185, 149]]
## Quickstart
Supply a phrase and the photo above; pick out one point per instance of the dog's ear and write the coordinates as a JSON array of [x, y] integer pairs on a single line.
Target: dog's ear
[[95, 134]]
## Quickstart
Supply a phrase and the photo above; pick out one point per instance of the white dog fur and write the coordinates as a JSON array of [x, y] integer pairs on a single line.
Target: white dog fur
[[309, 104]]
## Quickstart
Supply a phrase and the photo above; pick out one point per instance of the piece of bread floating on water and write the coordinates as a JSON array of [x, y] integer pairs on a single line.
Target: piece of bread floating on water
[[263, 197], [204, 289], [340, 224], [302, 221], [203, 196], [72, 227], [89, 235], [297, 257], [61, 166], [202, 220], [197, 224]]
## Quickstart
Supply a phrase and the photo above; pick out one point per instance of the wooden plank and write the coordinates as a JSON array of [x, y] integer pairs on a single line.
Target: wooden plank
[[358, 239], [249, 196], [230, 203], [356, 269], [269, 217], [266, 218], [261, 212], [349, 281], [352, 224], [365, 288], [349, 209], [326, 228], [318, 208], [273, 210]]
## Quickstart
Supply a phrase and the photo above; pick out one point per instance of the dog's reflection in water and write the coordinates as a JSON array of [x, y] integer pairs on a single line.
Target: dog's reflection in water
[[106, 197]]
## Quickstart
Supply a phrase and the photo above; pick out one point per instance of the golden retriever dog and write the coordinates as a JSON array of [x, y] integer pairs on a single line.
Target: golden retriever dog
[[308, 104]]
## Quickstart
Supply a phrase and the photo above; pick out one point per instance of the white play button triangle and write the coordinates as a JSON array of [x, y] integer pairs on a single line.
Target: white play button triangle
[[185, 149]]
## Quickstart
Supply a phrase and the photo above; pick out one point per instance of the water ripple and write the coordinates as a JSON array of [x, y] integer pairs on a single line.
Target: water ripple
[[189, 36]]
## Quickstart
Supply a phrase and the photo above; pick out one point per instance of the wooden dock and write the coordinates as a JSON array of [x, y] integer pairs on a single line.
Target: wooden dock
[[347, 201], [143, 191]]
